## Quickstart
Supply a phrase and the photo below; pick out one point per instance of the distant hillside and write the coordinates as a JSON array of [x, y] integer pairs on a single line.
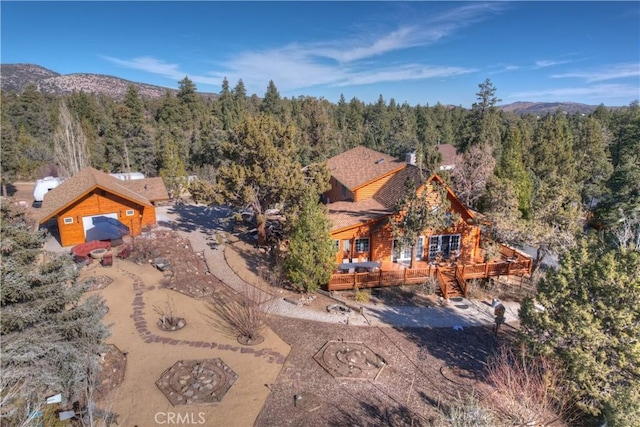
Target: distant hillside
[[15, 77], [542, 108]]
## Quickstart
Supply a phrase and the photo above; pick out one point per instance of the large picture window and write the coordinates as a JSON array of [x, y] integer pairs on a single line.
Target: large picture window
[[447, 245]]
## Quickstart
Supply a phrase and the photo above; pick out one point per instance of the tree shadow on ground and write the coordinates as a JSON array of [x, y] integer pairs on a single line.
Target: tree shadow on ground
[[378, 414], [201, 218], [10, 189]]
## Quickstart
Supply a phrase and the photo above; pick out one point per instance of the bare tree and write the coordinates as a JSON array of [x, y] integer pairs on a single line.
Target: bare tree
[[627, 232], [70, 144], [244, 315], [472, 172]]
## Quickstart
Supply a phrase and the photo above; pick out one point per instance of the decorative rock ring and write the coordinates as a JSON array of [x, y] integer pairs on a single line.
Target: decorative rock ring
[[98, 253]]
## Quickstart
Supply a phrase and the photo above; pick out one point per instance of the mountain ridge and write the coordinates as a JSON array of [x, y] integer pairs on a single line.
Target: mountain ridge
[[15, 77]]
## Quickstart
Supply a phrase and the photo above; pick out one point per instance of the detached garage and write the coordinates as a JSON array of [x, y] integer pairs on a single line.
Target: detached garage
[[92, 197]]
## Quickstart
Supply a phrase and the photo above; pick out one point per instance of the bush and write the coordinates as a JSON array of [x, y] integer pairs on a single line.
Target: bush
[[430, 286], [467, 412], [528, 389], [363, 296]]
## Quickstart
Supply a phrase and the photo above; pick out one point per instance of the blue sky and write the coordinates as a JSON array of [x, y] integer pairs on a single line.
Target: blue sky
[[418, 52]]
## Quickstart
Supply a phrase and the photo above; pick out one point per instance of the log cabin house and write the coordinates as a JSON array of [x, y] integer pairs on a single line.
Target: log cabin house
[[365, 188], [92, 193]]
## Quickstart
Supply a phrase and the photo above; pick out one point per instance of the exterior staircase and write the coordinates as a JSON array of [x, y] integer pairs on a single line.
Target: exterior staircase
[[447, 280]]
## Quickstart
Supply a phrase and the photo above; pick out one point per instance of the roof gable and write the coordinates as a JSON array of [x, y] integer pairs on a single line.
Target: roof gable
[[81, 184], [361, 165]]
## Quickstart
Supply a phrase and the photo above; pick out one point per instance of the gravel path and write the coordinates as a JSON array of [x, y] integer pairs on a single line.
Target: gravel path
[[205, 227]]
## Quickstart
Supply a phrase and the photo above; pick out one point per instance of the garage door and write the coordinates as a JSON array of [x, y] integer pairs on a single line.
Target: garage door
[[87, 221]]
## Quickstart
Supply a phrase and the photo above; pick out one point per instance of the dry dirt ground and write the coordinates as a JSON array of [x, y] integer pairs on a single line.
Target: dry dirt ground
[[131, 296], [426, 369]]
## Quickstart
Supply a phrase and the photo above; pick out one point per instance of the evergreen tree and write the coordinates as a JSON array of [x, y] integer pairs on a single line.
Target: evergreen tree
[[51, 337], [227, 106], [187, 95], [311, 255], [263, 171], [485, 117], [9, 155], [590, 321], [240, 101], [511, 166], [271, 103], [622, 201], [173, 172], [593, 167]]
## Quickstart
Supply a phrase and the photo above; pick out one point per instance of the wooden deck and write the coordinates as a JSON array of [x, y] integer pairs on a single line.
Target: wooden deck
[[452, 278]]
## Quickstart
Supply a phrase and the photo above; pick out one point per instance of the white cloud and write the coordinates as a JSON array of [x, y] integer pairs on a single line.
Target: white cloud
[[162, 68], [609, 72], [408, 72], [550, 63], [504, 68], [352, 60]]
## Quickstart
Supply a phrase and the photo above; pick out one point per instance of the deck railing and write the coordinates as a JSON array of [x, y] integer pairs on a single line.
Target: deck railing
[[516, 264], [443, 283], [406, 276]]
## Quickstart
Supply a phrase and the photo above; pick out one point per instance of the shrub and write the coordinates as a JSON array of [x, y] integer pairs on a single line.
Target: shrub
[[363, 296]]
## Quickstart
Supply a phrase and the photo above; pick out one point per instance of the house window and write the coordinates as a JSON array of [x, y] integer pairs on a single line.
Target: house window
[[362, 245], [336, 245], [403, 252], [68, 220], [447, 245], [344, 192], [129, 212]]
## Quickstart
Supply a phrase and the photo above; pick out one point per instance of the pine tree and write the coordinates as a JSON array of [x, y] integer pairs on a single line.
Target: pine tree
[[173, 172], [590, 321], [227, 106], [50, 335], [311, 255], [511, 166], [271, 103], [263, 171], [485, 117]]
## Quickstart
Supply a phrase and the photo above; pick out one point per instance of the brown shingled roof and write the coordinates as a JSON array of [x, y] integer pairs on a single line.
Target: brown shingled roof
[[345, 214], [80, 184], [361, 165], [151, 188], [395, 189]]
